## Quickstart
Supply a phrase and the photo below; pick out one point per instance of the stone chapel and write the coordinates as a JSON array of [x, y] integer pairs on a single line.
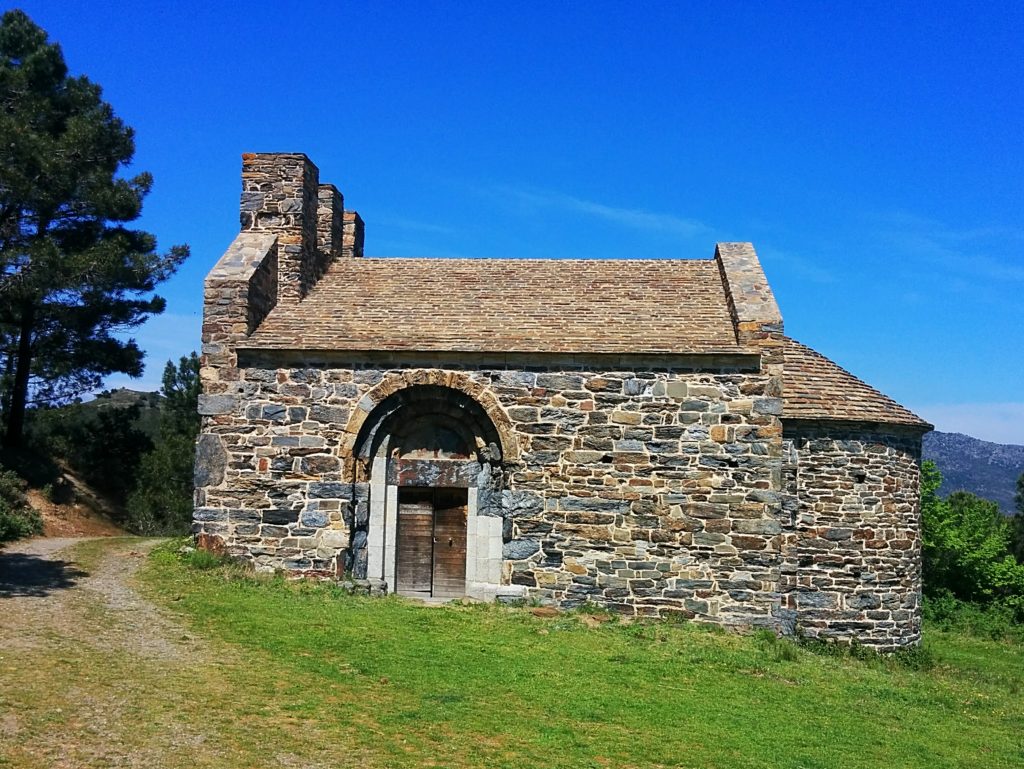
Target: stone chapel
[[638, 434]]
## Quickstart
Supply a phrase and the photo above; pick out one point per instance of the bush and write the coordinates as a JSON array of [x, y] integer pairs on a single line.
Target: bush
[[102, 445], [161, 503], [965, 548], [17, 519], [998, 621]]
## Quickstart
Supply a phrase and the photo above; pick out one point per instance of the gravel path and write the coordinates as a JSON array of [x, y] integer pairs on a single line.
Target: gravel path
[[95, 676], [65, 601], [45, 594]]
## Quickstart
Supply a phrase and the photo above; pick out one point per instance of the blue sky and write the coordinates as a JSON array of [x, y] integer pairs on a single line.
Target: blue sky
[[873, 152]]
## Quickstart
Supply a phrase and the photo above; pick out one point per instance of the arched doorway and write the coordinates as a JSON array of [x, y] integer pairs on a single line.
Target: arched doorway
[[432, 464]]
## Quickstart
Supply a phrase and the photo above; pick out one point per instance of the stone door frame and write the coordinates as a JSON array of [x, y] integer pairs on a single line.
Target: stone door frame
[[480, 474]]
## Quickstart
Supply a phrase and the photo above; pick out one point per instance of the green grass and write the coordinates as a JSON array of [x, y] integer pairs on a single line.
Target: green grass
[[324, 675]]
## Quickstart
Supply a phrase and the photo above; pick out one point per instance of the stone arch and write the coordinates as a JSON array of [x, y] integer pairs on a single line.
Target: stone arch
[[397, 381], [429, 457], [396, 414]]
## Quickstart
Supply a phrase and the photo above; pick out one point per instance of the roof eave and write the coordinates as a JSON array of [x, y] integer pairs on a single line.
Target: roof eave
[[921, 427]]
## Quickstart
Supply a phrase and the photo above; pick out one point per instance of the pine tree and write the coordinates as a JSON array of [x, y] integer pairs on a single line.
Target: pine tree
[[162, 500], [72, 275]]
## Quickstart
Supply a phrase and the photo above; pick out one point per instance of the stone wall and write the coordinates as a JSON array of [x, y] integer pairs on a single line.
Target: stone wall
[[238, 293], [652, 493], [854, 568]]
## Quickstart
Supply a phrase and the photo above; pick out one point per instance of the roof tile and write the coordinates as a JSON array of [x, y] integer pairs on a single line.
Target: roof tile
[[509, 305], [816, 388]]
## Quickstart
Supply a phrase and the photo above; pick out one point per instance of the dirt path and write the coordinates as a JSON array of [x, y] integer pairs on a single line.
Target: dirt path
[[54, 588], [91, 673]]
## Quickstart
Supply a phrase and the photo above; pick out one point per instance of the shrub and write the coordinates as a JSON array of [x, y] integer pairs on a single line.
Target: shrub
[[998, 621], [966, 549], [161, 501], [17, 519], [102, 445]]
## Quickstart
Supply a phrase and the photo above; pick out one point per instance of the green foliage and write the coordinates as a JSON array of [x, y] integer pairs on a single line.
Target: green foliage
[[965, 548], [36, 468], [180, 389], [102, 445], [778, 649], [17, 519], [997, 621], [72, 275], [161, 502], [204, 560]]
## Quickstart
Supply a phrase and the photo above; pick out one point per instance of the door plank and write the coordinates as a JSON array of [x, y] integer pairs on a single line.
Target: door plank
[[415, 551], [450, 551]]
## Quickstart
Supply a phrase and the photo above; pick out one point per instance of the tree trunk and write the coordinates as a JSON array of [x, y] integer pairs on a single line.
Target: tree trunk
[[22, 368], [6, 384]]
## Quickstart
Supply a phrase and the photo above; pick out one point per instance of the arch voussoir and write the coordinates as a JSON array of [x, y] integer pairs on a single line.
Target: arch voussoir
[[415, 378]]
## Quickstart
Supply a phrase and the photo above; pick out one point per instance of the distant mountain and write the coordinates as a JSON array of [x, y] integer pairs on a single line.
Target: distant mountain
[[122, 397], [989, 470]]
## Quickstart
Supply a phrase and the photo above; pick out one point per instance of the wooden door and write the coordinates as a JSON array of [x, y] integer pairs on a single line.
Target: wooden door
[[431, 546], [415, 551], [449, 549]]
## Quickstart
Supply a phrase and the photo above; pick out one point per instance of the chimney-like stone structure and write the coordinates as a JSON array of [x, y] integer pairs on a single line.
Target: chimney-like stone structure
[[329, 222], [292, 228], [752, 304], [755, 313], [353, 236], [758, 324], [280, 196]]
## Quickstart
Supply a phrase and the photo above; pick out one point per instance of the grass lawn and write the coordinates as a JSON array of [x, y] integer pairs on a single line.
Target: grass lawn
[[404, 685], [278, 674]]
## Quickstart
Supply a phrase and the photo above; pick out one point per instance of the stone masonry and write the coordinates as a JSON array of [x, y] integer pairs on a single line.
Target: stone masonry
[[697, 467]]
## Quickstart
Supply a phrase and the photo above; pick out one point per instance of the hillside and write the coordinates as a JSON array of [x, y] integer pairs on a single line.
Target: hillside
[[84, 513], [123, 398], [989, 470]]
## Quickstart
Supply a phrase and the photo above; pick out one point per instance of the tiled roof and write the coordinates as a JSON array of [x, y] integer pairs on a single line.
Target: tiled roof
[[509, 305], [816, 388]]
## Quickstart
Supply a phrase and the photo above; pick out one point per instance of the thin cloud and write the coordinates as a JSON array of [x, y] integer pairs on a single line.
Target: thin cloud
[[633, 218], [968, 252]]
